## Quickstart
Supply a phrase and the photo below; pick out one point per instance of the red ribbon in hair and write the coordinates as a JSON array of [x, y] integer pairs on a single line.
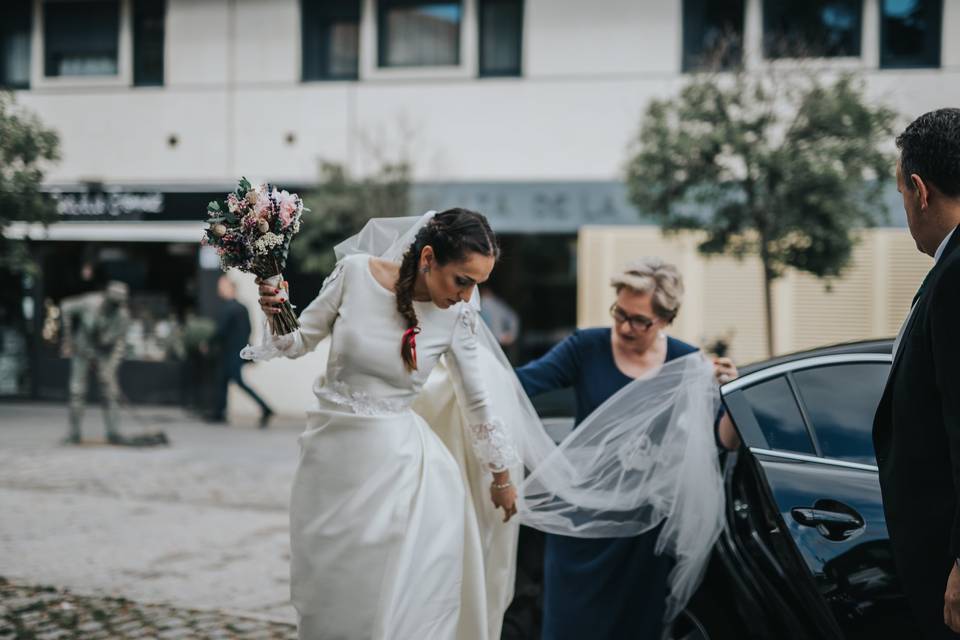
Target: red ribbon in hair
[[410, 335]]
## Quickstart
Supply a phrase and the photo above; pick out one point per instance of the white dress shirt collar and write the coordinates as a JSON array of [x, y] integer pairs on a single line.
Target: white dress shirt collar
[[943, 245]]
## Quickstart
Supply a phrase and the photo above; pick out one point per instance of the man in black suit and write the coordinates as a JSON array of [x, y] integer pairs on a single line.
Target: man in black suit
[[916, 431], [233, 332]]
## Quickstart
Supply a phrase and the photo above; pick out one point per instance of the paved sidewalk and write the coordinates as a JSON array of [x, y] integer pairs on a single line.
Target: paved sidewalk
[[204, 464], [199, 525], [47, 613]]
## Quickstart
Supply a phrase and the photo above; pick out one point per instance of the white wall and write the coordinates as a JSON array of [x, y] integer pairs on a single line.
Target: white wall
[[613, 37], [266, 42], [950, 44], [196, 46]]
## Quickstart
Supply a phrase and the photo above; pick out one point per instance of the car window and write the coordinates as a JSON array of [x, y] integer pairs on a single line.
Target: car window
[[778, 416], [559, 403], [840, 401]]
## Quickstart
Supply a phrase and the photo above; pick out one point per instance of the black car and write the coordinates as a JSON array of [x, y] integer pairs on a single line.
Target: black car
[[805, 553]]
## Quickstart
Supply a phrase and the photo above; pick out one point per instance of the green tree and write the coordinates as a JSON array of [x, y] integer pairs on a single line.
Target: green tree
[[341, 205], [786, 167], [26, 148]]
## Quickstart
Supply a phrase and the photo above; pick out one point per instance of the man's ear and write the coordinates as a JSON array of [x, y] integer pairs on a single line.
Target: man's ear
[[921, 191]]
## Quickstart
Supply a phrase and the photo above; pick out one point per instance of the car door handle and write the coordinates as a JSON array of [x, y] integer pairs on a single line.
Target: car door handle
[[833, 525], [812, 517]]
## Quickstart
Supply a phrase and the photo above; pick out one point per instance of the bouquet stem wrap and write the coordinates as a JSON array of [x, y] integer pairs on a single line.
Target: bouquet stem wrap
[[286, 321]]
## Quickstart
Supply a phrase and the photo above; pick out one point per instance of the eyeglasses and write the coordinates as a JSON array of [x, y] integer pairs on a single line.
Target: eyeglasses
[[637, 323]]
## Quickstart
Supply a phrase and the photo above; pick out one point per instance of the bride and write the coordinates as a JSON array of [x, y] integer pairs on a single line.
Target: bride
[[392, 535]]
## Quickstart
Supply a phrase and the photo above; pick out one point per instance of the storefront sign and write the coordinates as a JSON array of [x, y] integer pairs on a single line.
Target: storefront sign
[[112, 204], [534, 207]]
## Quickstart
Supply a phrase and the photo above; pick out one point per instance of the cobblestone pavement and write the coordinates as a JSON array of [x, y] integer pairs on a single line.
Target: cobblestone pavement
[[201, 524], [48, 613]]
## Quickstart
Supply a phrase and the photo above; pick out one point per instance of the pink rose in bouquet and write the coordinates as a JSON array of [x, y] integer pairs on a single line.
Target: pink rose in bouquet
[[288, 206], [264, 205]]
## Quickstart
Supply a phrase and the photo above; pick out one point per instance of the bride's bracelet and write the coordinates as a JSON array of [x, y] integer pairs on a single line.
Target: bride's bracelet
[[500, 487]]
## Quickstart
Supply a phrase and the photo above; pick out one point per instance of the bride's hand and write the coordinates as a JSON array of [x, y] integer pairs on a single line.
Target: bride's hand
[[504, 495], [269, 298]]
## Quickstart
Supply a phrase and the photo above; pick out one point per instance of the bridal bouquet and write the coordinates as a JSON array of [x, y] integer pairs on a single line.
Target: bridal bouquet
[[252, 231]]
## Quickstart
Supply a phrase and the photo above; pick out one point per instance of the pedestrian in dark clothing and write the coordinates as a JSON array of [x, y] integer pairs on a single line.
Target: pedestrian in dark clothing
[[232, 335]]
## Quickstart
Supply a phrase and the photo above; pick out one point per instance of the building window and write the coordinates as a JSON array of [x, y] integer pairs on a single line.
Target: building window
[[414, 33], [501, 37], [331, 39], [910, 33], [148, 33], [81, 38], [712, 34], [811, 28], [15, 28]]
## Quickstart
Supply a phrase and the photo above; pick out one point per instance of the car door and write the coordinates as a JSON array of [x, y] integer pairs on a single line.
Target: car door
[[810, 518]]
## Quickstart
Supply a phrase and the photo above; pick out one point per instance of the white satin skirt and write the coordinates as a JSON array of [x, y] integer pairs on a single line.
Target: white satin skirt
[[393, 533], [377, 529]]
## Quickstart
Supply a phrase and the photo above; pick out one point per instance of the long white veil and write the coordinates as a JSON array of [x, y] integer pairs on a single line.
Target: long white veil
[[646, 456]]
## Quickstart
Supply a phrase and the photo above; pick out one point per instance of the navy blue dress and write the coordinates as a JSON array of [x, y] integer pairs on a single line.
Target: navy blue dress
[[598, 588]]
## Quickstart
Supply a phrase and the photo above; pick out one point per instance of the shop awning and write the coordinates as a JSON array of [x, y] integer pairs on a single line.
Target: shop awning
[[109, 231]]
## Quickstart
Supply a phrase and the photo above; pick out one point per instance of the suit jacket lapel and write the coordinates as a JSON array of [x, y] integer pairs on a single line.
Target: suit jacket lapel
[[914, 311]]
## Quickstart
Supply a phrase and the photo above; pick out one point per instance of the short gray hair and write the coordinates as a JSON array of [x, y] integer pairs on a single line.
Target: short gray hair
[[660, 279]]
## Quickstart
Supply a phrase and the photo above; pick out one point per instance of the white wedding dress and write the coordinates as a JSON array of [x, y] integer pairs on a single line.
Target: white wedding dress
[[393, 534]]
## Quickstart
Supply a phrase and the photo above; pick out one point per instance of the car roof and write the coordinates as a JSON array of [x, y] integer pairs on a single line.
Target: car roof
[[881, 346]]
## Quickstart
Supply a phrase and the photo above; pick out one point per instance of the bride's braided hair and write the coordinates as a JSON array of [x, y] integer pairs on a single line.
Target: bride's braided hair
[[452, 234]]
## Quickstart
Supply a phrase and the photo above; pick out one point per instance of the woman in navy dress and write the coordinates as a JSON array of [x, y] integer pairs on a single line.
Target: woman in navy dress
[[613, 588]]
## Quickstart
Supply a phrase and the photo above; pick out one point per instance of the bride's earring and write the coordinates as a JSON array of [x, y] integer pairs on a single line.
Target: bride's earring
[[425, 270]]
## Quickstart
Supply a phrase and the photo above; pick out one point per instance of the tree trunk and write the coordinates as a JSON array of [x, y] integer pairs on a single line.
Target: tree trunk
[[768, 306], [760, 220]]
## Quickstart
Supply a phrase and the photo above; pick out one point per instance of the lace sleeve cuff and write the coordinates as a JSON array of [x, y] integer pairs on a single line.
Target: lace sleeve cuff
[[492, 445]]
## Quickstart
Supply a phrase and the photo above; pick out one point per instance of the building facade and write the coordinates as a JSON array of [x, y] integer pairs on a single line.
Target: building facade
[[522, 109]]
